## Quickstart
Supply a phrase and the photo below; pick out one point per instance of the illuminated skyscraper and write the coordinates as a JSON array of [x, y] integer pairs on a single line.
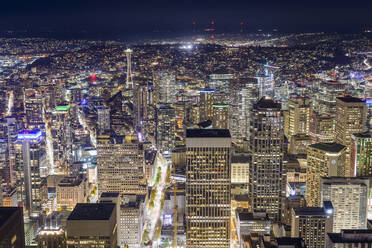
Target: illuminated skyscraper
[[350, 119], [164, 87], [298, 116], [361, 154], [220, 116], [266, 182], [103, 119], [29, 181], [322, 128], [206, 104], [165, 128], [349, 200], [8, 135], [243, 94], [33, 108], [312, 224], [299, 143], [266, 81], [240, 168], [131, 214], [325, 99], [58, 135], [129, 83], [323, 160], [220, 82], [180, 128], [208, 188], [121, 167], [140, 103]]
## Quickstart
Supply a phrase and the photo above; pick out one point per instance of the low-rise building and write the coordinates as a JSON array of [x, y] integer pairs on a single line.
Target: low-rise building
[[70, 191], [92, 225]]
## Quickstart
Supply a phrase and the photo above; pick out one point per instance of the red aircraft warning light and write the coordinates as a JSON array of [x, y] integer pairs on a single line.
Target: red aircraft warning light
[[93, 78]]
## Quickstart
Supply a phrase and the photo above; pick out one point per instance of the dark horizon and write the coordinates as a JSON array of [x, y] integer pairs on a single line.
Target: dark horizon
[[118, 19]]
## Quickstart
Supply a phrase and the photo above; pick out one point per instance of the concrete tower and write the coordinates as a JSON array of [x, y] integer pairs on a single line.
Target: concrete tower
[[129, 52]]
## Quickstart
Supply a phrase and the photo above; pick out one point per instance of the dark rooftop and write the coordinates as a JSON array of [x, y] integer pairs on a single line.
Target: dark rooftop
[[240, 158], [110, 194], [6, 213], [208, 133], [285, 241], [244, 216], [351, 236], [70, 182], [241, 198], [327, 205], [363, 135], [92, 211], [329, 147], [205, 124], [310, 211], [350, 99], [265, 103]]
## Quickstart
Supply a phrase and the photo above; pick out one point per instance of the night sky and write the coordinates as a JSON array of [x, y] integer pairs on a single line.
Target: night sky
[[144, 17]]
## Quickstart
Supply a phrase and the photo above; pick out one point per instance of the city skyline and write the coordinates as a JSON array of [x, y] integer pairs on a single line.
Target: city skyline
[[165, 124]]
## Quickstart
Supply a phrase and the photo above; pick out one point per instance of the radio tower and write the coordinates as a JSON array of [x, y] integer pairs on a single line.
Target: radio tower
[[129, 83], [241, 27], [213, 29]]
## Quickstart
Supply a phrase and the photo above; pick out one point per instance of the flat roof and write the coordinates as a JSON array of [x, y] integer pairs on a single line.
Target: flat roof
[[310, 211], [240, 158], [243, 216], [297, 242], [350, 99], [92, 211], [265, 103], [329, 147], [6, 213], [70, 181], [363, 135], [351, 236], [110, 194], [208, 133]]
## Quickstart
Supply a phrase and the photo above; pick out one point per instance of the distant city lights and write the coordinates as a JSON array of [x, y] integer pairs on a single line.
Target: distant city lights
[[187, 47]]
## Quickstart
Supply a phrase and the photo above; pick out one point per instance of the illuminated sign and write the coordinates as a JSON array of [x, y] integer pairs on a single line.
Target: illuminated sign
[[29, 135], [63, 108], [207, 91], [167, 220], [220, 105], [221, 76]]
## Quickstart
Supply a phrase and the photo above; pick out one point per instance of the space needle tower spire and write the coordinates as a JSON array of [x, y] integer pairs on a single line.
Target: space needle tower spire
[[129, 83]]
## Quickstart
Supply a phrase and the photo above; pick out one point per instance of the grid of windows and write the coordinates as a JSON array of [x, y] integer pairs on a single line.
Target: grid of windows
[[208, 197], [266, 183], [121, 168]]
